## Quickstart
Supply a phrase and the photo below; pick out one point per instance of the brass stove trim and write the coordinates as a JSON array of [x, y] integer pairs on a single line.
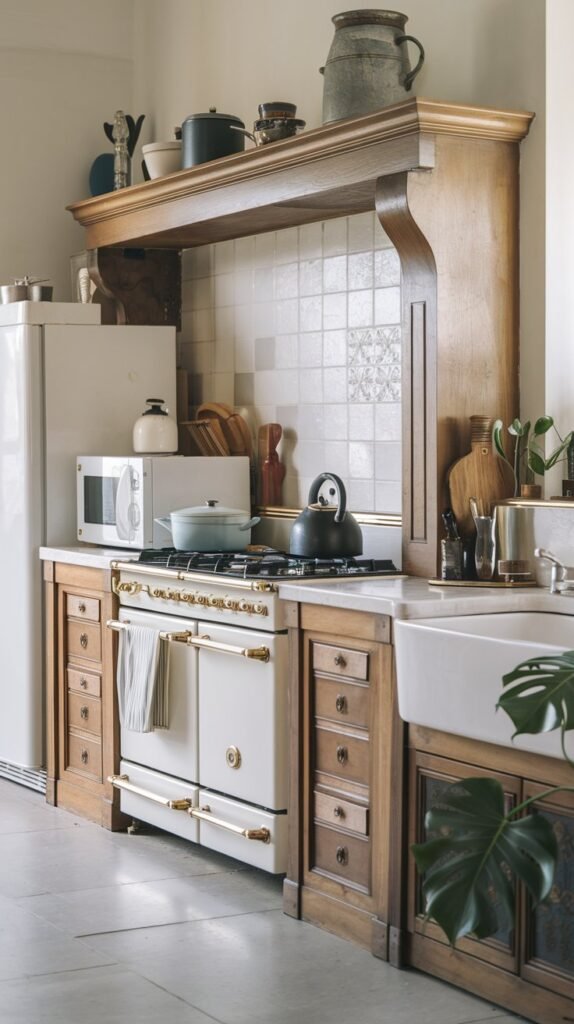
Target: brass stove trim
[[261, 835], [260, 586], [190, 597]]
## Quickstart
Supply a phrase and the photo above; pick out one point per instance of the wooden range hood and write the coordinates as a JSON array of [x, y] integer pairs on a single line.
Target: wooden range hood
[[443, 179]]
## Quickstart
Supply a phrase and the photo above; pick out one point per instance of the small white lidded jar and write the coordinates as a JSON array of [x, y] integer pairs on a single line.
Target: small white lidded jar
[[155, 430]]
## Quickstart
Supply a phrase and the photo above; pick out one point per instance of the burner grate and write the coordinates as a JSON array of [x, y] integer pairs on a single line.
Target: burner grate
[[266, 564]]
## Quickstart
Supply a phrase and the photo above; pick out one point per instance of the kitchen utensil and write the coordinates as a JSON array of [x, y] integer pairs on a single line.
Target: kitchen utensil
[[277, 109], [229, 424], [271, 470], [209, 527], [272, 129], [323, 530], [155, 430], [207, 437], [26, 289], [209, 136], [481, 474], [162, 158], [368, 64]]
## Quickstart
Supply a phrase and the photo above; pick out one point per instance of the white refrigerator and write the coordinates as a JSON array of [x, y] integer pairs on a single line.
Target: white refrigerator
[[68, 386]]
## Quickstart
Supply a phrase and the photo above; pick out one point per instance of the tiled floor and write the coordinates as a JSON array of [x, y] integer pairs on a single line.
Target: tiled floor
[[103, 928]]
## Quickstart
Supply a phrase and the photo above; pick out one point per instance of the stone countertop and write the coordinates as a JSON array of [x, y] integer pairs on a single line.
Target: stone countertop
[[414, 598], [88, 555]]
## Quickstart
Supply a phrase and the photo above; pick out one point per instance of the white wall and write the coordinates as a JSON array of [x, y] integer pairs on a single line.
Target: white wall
[[65, 67]]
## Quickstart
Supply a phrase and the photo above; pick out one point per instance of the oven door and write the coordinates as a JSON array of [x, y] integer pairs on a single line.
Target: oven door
[[173, 750], [243, 715]]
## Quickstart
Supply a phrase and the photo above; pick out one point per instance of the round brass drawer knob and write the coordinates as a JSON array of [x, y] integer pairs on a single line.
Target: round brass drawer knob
[[84, 683], [342, 855], [84, 640], [340, 661], [342, 755], [338, 812], [341, 704], [81, 607], [233, 757], [85, 756], [84, 712]]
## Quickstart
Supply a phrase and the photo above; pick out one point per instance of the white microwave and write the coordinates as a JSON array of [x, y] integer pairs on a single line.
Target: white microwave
[[119, 498]]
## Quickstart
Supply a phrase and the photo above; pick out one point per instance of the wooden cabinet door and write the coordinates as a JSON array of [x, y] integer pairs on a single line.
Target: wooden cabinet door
[[548, 944], [429, 776]]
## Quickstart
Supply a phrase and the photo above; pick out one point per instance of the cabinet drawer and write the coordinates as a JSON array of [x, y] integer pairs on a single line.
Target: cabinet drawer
[[340, 661], [84, 640], [342, 813], [83, 607], [339, 754], [343, 702], [85, 756], [347, 857], [84, 713], [84, 682]]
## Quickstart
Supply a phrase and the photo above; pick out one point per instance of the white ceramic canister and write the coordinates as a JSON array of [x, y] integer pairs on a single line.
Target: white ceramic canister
[[155, 430]]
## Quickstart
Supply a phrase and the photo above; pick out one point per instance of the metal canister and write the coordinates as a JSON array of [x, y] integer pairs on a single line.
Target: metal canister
[[368, 64], [210, 136]]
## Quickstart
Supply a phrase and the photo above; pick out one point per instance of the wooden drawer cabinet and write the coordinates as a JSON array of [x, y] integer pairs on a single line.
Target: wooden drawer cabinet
[[83, 607], [337, 811], [83, 728], [84, 682], [342, 855], [342, 754], [342, 702], [85, 756], [347, 744], [84, 641], [85, 713]]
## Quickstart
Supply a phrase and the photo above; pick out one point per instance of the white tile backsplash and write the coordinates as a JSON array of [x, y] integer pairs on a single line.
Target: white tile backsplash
[[303, 326]]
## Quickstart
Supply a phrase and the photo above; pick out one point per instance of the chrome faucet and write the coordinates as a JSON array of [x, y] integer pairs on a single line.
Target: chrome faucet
[[561, 576]]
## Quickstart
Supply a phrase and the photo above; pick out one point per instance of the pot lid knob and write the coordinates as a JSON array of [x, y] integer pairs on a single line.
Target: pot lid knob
[[212, 502]]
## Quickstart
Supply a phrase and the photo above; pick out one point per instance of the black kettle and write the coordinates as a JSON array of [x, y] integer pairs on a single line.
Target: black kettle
[[323, 530]]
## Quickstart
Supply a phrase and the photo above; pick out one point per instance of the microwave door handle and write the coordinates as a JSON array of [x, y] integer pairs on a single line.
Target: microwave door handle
[[124, 528]]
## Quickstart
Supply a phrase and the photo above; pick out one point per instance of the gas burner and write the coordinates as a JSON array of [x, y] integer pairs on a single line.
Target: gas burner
[[265, 564]]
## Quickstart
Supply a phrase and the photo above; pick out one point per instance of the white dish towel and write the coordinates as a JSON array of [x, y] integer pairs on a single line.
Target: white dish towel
[[142, 679]]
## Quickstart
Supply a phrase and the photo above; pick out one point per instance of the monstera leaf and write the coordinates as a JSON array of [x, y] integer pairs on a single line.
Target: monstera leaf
[[539, 694], [479, 849]]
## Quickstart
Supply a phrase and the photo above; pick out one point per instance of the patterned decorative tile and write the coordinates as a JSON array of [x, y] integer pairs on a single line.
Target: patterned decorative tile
[[374, 370]]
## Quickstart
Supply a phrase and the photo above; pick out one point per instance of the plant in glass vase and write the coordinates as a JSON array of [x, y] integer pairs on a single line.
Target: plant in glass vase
[[528, 458]]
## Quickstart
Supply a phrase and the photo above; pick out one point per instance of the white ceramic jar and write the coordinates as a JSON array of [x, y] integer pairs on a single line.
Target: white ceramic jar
[[155, 431]]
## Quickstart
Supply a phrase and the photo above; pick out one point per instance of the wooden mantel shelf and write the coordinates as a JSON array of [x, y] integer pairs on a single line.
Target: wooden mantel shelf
[[328, 172]]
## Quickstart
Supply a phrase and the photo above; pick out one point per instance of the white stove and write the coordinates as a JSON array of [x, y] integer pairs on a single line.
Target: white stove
[[218, 775]]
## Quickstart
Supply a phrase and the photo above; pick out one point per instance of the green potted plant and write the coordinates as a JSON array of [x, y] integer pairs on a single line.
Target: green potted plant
[[529, 459], [476, 846]]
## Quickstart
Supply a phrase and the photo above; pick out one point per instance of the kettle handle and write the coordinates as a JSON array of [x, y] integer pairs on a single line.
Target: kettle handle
[[409, 79], [341, 493], [236, 128]]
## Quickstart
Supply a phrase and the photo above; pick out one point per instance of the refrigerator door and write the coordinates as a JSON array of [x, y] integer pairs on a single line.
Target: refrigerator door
[[21, 526], [97, 380]]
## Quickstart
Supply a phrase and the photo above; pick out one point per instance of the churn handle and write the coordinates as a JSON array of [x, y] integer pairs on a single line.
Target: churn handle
[[409, 79]]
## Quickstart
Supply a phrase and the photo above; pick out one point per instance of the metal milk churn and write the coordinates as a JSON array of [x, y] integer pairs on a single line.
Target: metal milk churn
[[368, 64]]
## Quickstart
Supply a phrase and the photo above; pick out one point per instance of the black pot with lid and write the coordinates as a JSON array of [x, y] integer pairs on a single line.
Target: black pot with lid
[[210, 136]]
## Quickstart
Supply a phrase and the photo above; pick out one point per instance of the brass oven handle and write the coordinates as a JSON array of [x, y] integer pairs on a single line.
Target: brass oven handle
[[186, 637], [123, 782], [262, 835]]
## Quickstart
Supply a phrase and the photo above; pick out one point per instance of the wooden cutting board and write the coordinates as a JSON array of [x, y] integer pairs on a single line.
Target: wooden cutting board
[[481, 474]]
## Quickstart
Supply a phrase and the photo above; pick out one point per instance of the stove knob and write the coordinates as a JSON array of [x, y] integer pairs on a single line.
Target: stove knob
[[233, 757]]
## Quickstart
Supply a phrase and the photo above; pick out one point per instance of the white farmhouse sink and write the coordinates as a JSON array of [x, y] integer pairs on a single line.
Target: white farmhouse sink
[[449, 671]]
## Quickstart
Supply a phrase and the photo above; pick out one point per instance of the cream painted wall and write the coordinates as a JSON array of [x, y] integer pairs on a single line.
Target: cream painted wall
[[65, 67], [193, 54]]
